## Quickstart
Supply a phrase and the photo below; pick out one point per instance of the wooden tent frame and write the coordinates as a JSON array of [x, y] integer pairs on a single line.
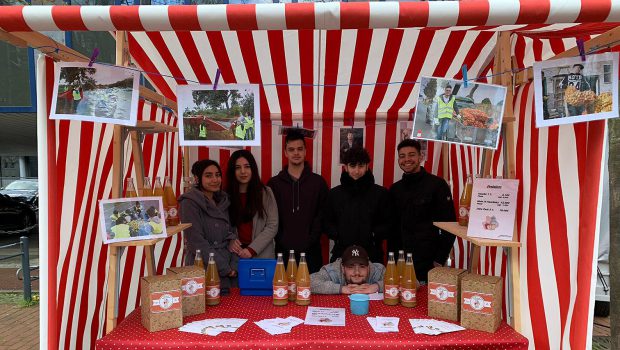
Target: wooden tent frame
[[503, 62]]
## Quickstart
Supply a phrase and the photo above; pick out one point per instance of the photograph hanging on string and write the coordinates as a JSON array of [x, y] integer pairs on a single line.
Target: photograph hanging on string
[[132, 219], [448, 111], [406, 132], [101, 93], [350, 138], [225, 116], [572, 90]]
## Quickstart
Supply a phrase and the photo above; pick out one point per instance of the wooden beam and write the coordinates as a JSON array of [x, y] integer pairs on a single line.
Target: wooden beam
[[157, 98], [138, 160], [48, 46], [12, 39], [609, 38], [112, 268], [445, 152]]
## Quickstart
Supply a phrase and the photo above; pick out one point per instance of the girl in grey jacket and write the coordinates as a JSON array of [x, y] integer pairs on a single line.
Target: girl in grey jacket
[[206, 208], [253, 210]]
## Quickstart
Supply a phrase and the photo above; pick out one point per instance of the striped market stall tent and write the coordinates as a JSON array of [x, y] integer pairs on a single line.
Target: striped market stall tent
[[325, 66]]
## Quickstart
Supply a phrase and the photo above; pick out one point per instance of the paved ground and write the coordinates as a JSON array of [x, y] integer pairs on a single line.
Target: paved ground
[[19, 327]]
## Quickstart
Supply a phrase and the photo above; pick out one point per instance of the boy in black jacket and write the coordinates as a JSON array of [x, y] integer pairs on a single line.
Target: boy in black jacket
[[300, 195], [358, 210], [419, 199]]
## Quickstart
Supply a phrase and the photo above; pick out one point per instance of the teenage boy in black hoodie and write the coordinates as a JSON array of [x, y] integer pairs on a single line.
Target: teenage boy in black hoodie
[[419, 199], [358, 210], [300, 195]]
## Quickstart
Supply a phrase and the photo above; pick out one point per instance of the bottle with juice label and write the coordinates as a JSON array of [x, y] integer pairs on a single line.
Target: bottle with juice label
[[158, 190], [198, 260], [130, 189], [147, 191], [280, 283], [465, 202], [400, 264], [303, 282], [390, 282], [408, 284], [212, 282], [291, 274], [171, 206]]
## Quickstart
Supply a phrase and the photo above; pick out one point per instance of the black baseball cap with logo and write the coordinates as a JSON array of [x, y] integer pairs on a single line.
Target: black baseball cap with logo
[[355, 255]]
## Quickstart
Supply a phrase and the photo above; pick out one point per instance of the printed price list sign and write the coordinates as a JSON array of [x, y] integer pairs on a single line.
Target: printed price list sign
[[493, 207]]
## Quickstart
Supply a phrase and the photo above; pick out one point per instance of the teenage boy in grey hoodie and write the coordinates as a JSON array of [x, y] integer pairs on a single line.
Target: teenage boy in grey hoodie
[[300, 195], [353, 273]]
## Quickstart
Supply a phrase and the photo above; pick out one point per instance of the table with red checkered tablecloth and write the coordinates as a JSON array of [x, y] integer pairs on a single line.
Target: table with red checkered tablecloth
[[130, 334]]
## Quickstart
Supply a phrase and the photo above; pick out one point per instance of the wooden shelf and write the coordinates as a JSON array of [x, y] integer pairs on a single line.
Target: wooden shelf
[[152, 127], [461, 231], [170, 231]]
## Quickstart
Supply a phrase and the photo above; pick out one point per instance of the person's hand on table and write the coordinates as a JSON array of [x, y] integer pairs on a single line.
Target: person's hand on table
[[245, 254], [234, 246], [349, 289], [367, 288], [360, 288]]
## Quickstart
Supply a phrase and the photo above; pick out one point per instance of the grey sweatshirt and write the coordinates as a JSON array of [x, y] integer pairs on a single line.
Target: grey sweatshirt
[[330, 279], [211, 231]]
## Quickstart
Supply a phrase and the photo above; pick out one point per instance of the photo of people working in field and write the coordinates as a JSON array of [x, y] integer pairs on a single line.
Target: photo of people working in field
[[99, 93], [226, 116]]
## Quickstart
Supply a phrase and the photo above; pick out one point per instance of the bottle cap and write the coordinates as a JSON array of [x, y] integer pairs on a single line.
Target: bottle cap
[[409, 255], [401, 252], [279, 255], [291, 251], [391, 254], [302, 254], [211, 254]]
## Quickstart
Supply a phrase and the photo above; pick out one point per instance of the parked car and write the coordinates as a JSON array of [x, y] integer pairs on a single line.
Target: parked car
[[16, 217], [25, 191]]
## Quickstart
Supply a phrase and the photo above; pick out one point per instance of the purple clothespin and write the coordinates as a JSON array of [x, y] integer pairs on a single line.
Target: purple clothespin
[[93, 57], [464, 70], [582, 50], [217, 79]]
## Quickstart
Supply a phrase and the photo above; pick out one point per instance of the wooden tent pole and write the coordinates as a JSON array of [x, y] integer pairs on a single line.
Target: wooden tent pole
[[503, 63], [117, 188]]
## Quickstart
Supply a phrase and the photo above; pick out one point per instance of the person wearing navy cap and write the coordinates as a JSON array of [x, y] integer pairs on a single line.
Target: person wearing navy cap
[[352, 273]]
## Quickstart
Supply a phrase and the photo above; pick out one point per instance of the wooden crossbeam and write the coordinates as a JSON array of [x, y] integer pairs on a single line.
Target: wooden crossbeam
[[609, 38], [12, 39], [49, 47]]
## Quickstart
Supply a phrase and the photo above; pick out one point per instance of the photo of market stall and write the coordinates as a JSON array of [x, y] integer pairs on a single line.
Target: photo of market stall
[[324, 67]]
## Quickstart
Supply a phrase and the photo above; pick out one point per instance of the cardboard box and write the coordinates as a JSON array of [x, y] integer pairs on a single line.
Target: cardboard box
[[192, 288], [161, 306], [444, 293], [481, 302]]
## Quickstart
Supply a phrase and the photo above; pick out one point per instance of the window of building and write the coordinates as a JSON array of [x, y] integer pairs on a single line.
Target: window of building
[[607, 73]]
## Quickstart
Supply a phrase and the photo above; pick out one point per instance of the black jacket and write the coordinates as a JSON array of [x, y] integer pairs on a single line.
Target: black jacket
[[419, 199], [299, 208], [357, 212]]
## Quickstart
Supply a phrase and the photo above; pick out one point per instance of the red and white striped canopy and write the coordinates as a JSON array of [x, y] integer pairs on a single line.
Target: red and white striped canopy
[[507, 14], [327, 66]]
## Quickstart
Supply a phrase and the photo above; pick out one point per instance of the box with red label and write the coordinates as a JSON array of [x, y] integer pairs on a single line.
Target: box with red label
[[443, 293], [481, 302], [161, 302], [192, 288]]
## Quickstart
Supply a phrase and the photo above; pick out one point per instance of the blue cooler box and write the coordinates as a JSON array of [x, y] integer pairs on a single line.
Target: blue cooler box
[[256, 276]]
